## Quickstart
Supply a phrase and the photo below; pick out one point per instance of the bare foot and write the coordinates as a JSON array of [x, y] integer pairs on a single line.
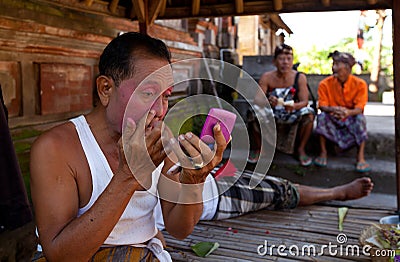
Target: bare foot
[[356, 189]]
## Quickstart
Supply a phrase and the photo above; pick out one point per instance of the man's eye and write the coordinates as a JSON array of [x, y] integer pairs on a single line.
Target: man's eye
[[148, 94]]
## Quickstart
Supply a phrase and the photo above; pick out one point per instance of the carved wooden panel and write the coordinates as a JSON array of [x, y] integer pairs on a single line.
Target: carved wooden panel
[[10, 81], [65, 88]]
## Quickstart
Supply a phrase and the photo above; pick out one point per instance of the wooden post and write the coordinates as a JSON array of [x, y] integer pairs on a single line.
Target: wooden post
[[89, 2], [396, 77], [326, 2], [239, 6], [277, 4], [113, 6], [195, 7], [143, 28], [141, 10]]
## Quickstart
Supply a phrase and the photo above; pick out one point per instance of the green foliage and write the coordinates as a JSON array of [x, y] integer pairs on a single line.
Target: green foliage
[[22, 140], [316, 61], [193, 124], [25, 133]]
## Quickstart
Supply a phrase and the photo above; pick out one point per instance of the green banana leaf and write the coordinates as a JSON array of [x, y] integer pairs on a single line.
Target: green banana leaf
[[203, 249], [342, 211]]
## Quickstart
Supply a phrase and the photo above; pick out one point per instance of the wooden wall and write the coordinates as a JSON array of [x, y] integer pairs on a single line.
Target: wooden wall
[[49, 55]]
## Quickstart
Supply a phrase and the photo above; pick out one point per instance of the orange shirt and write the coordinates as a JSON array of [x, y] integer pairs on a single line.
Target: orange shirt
[[353, 94]]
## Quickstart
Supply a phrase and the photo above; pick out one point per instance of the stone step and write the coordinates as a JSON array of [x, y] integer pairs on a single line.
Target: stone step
[[378, 146]]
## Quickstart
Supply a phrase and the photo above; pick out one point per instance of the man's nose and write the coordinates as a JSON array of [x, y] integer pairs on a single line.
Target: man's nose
[[158, 107]]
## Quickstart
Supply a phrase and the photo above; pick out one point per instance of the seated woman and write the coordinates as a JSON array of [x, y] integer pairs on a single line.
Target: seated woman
[[287, 93]]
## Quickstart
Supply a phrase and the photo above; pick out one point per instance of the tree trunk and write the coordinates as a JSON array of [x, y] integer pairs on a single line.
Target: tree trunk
[[376, 59]]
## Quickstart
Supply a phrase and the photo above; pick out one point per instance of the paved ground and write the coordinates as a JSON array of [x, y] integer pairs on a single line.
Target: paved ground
[[315, 224], [380, 118]]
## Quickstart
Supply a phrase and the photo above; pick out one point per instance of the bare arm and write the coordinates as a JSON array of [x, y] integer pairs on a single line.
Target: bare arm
[[341, 112], [302, 93], [54, 182], [260, 99], [57, 179]]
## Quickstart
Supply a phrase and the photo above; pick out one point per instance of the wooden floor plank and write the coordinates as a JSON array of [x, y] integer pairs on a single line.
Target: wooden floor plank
[[240, 237]]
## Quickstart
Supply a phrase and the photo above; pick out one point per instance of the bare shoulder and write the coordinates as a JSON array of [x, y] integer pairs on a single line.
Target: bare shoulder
[[59, 141], [265, 79], [267, 75], [302, 77]]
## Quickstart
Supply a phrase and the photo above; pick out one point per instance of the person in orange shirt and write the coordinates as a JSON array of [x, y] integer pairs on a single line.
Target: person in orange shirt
[[342, 98]]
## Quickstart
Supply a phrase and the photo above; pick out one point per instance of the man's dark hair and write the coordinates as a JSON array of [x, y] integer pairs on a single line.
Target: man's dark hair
[[283, 49], [118, 58]]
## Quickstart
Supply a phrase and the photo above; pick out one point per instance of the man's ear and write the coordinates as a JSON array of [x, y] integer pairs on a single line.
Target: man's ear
[[104, 88]]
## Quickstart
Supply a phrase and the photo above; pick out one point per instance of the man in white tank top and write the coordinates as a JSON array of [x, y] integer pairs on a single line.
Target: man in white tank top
[[88, 181]]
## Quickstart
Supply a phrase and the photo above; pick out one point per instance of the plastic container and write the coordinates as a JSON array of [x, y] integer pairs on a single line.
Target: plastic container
[[389, 220]]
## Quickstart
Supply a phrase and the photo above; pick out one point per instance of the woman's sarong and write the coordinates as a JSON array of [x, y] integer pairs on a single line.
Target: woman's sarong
[[345, 133]]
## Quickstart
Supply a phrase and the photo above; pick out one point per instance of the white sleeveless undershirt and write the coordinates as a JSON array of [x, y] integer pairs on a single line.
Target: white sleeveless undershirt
[[136, 224]]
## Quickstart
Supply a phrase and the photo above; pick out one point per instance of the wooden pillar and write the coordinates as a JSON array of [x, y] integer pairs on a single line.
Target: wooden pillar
[[396, 77], [143, 27], [141, 9], [277, 4], [326, 2], [30, 94]]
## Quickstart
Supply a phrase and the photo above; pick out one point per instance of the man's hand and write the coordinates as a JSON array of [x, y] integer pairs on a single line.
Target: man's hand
[[141, 149], [340, 112], [201, 159], [273, 100]]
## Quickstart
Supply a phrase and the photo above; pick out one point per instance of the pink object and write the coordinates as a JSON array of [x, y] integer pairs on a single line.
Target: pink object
[[225, 118], [228, 169]]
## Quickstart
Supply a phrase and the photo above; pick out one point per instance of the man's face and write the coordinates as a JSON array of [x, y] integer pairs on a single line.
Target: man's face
[[149, 88], [340, 70], [284, 62]]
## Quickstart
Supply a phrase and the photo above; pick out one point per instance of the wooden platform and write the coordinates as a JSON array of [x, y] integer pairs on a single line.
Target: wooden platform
[[303, 227]]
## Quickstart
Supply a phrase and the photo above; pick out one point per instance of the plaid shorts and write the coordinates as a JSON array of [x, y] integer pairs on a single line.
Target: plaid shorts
[[237, 198]]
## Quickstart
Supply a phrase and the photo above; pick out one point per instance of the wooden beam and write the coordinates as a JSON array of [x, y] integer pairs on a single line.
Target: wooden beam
[[113, 6], [154, 9], [89, 2], [396, 77], [372, 2], [163, 7], [239, 6], [139, 7], [143, 28], [326, 2], [260, 7], [132, 13], [195, 7], [277, 5]]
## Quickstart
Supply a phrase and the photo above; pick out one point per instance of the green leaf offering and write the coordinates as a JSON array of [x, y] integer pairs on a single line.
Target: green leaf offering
[[342, 211], [203, 249]]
